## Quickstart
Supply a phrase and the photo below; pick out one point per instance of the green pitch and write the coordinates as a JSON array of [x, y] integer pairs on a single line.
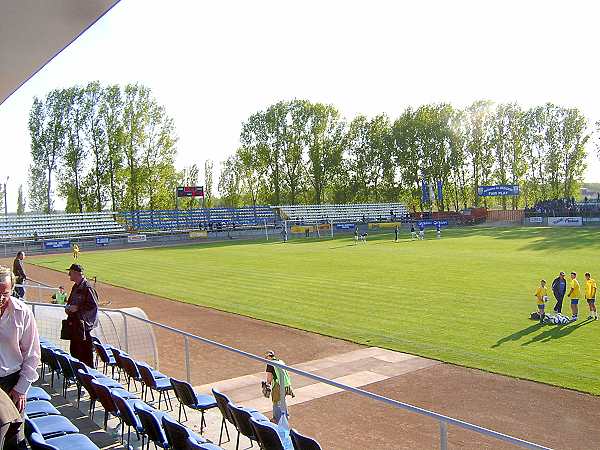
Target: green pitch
[[464, 299]]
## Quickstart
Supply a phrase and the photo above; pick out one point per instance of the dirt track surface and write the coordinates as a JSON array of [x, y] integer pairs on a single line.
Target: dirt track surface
[[557, 418]]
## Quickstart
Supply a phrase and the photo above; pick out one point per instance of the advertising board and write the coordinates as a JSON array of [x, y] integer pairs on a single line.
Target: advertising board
[[57, 243], [132, 238], [565, 221]]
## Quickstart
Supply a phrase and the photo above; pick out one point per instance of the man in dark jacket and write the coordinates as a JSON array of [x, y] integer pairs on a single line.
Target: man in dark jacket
[[20, 275], [82, 314], [559, 288]]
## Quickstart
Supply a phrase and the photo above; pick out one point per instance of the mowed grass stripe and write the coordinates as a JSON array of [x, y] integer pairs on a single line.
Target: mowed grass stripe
[[463, 299]]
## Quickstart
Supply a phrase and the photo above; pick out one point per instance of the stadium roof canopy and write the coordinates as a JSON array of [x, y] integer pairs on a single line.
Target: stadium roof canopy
[[32, 32]]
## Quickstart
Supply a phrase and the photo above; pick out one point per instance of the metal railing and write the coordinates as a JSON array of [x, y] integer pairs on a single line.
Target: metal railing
[[443, 421]]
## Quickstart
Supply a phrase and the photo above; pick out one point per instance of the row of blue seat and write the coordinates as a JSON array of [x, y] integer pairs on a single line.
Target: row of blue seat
[[154, 424]]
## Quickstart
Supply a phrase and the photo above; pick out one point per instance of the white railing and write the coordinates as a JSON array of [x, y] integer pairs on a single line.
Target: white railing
[[443, 420]]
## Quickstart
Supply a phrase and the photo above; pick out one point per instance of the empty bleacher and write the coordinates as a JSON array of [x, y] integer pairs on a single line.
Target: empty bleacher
[[365, 212], [45, 226], [163, 220]]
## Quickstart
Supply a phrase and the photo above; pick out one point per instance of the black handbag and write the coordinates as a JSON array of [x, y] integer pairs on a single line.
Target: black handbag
[[65, 330]]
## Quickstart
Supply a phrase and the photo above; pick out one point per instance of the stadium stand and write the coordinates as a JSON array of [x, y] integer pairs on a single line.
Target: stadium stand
[[199, 218], [366, 212], [58, 225]]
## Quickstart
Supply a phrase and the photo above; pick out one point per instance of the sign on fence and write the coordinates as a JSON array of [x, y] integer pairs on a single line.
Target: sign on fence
[[132, 238], [498, 190], [102, 240], [198, 234], [383, 225], [57, 243], [345, 226], [565, 221], [536, 220]]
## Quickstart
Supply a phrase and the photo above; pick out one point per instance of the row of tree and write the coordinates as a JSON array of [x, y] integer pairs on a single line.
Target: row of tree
[[103, 147], [303, 152]]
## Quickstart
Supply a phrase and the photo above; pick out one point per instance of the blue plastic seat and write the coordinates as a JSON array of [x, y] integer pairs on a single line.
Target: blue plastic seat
[[161, 385], [178, 435], [37, 393], [127, 415], [267, 435], [66, 442], [151, 425], [241, 418], [193, 445], [49, 426], [37, 408], [188, 397], [302, 442]]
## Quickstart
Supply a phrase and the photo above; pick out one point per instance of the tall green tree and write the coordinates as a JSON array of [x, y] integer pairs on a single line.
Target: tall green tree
[[20, 201], [111, 112], [47, 131], [208, 183]]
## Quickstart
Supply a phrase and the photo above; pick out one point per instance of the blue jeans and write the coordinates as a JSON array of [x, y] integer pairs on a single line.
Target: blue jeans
[[20, 291]]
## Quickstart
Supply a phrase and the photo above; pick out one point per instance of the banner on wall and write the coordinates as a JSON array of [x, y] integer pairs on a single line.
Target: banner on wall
[[57, 243], [198, 234], [133, 238], [102, 240], [565, 221], [384, 225], [536, 220], [498, 190], [345, 226]]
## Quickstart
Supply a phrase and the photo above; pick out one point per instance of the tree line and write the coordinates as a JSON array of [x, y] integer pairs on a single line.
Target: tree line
[[111, 147], [302, 152]]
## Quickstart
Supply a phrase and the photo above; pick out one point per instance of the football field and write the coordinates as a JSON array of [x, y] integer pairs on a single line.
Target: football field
[[464, 299]]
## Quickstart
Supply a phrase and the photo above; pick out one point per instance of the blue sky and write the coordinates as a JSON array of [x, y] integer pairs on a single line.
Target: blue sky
[[212, 64]]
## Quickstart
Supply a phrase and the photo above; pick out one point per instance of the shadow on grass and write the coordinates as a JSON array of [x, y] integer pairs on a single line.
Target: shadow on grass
[[518, 335], [543, 238], [557, 332]]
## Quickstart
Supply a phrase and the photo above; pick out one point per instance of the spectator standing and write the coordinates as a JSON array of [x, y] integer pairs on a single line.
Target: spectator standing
[[60, 297], [559, 289], [19, 349], [19, 272], [590, 295], [574, 293], [82, 315], [10, 421], [274, 377]]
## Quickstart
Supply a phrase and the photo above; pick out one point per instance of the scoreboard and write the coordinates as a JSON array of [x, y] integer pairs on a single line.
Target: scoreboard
[[190, 191]]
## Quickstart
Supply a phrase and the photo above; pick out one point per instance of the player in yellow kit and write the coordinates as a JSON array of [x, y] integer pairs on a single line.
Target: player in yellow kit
[[590, 295], [574, 293], [75, 251], [541, 295]]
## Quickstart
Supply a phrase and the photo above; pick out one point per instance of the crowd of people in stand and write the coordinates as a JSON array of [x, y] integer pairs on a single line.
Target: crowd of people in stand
[[564, 207]]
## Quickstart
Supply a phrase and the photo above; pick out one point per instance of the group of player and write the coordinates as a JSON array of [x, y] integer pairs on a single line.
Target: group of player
[[573, 294], [421, 235]]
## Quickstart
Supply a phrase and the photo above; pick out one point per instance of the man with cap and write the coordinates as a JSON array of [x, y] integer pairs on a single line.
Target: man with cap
[[559, 288], [82, 315], [274, 375]]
